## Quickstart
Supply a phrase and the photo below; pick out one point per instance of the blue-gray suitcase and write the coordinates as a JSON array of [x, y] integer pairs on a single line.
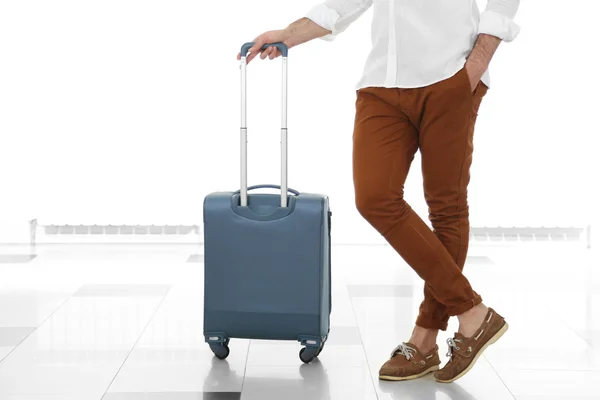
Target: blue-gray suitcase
[[267, 257]]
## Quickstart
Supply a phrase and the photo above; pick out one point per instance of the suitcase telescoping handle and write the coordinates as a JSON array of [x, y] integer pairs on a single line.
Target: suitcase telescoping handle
[[244, 132]]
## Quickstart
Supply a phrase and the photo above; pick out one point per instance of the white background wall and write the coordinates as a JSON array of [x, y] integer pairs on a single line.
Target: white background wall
[[128, 112]]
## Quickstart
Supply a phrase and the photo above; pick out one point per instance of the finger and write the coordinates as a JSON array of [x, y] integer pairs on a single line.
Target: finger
[[257, 46], [274, 53], [266, 53], [251, 56], [255, 50], [239, 56]]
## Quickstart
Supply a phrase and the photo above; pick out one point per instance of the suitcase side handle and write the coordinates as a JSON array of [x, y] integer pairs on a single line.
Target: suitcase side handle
[[244, 130], [282, 47], [292, 191]]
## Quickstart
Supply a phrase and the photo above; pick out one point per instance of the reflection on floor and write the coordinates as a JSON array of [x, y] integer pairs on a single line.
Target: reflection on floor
[[125, 323]]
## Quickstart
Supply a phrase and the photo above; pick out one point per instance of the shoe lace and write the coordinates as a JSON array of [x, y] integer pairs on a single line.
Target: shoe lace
[[405, 350], [452, 345]]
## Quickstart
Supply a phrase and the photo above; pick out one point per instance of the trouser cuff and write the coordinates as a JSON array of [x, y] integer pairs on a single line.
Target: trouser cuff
[[464, 307], [427, 322]]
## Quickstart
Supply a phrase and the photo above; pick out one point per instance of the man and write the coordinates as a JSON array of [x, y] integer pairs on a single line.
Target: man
[[423, 83]]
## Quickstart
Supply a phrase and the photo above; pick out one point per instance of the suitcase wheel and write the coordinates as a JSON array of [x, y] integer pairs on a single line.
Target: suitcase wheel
[[221, 350], [307, 354], [320, 349]]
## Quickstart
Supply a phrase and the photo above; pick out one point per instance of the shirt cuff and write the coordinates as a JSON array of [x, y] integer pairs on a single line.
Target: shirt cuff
[[325, 17], [496, 24]]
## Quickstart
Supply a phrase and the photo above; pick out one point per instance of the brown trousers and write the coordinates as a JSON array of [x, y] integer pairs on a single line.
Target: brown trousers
[[391, 125]]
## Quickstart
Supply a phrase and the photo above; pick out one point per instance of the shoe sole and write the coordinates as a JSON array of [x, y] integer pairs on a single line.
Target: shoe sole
[[490, 342], [406, 378]]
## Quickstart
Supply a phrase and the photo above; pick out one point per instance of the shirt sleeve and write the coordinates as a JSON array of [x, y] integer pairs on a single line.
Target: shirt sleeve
[[337, 15], [497, 19]]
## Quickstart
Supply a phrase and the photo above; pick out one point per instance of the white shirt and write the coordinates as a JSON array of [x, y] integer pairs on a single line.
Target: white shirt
[[418, 42]]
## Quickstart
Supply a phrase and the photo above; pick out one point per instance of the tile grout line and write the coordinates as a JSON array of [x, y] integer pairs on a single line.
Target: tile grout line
[[494, 369], [362, 343], [532, 369], [41, 323], [136, 342], [575, 331], [499, 377], [245, 368], [597, 350]]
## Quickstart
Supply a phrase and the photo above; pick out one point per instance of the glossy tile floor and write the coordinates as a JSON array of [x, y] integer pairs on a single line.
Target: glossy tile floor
[[125, 323]]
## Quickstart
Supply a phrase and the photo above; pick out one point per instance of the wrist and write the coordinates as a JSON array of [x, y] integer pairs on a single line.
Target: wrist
[[476, 66], [302, 31], [289, 37]]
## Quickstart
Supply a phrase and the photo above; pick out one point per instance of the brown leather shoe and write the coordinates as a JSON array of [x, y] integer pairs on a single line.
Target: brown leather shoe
[[464, 352], [407, 363]]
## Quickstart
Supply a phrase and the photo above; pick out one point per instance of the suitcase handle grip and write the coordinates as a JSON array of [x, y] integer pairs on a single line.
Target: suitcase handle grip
[[282, 47], [292, 191]]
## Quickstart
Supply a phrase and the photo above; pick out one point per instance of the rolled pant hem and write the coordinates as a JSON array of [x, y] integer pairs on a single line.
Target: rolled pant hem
[[430, 323], [463, 308]]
